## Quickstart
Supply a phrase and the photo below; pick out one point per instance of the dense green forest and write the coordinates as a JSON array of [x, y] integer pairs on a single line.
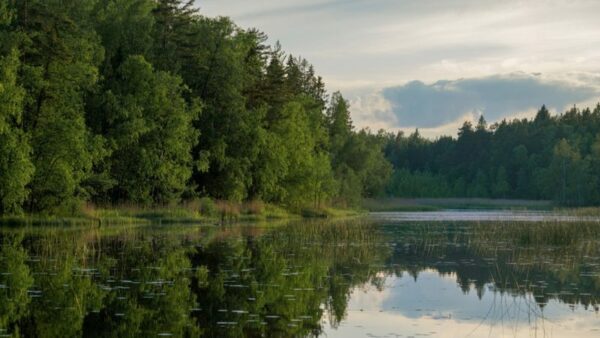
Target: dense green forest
[[548, 157], [148, 102]]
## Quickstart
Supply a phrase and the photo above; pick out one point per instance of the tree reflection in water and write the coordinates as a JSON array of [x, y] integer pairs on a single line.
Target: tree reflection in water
[[278, 281]]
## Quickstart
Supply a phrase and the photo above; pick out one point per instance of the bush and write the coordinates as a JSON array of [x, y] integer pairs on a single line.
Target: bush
[[311, 212], [208, 207]]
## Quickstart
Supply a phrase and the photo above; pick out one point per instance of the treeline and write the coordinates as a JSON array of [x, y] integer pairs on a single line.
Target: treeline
[[548, 157], [149, 102]]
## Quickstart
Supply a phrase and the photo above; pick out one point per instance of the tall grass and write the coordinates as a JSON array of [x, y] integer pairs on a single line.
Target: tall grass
[[201, 210], [582, 212]]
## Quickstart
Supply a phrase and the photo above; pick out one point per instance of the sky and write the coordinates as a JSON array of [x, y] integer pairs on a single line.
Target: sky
[[432, 64]]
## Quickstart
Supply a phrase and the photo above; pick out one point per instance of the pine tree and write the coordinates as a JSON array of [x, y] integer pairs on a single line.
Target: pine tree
[[173, 29], [339, 123]]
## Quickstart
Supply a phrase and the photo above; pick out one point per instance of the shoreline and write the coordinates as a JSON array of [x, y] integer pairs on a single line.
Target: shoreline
[[175, 215], [440, 204]]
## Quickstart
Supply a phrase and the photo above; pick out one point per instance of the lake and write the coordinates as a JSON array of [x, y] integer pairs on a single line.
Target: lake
[[387, 275]]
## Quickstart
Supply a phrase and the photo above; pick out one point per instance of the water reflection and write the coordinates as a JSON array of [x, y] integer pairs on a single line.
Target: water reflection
[[344, 278], [482, 280]]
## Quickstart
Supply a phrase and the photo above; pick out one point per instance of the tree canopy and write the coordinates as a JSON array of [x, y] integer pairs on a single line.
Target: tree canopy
[[150, 102], [547, 157]]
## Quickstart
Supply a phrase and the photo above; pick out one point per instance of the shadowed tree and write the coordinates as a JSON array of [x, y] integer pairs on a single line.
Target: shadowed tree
[[150, 128], [16, 168]]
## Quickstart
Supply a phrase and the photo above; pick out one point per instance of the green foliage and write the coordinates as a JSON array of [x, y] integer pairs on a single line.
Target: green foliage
[[100, 102], [501, 187], [418, 184], [171, 43], [207, 207], [478, 188], [125, 28], [150, 128], [567, 179], [303, 176], [16, 280], [59, 68], [358, 160], [16, 169], [549, 157], [6, 13], [339, 122], [232, 133]]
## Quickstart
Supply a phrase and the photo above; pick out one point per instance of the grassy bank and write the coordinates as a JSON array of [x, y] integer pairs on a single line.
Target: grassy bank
[[434, 204], [201, 211], [582, 211]]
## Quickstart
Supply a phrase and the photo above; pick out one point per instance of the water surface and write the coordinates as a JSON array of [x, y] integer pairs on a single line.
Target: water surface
[[382, 276], [483, 216]]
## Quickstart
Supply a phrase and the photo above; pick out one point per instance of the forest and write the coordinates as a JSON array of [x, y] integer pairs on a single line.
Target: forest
[[150, 103], [548, 157]]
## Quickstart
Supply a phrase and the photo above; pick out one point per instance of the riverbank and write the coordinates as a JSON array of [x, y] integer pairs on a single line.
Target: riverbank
[[437, 204], [203, 211]]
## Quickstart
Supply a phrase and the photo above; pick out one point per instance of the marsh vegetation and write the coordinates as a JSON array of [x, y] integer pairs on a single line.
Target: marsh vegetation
[[304, 278]]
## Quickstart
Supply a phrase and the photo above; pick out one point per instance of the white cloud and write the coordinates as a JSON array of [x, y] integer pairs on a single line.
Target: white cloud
[[441, 107], [373, 111]]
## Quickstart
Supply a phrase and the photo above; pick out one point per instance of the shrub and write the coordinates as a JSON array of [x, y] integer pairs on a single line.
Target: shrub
[[206, 207]]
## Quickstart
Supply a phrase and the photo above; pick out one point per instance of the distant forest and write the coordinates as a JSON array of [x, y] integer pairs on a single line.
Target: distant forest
[[148, 102], [548, 157]]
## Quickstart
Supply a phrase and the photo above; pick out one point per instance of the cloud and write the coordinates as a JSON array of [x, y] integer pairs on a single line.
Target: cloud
[[387, 42], [365, 48], [372, 111], [417, 104]]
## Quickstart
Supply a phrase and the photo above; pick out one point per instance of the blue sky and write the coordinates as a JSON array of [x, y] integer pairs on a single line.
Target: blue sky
[[431, 64]]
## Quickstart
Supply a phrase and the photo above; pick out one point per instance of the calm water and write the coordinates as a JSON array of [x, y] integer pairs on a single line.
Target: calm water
[[377, 277], [482, 215]]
